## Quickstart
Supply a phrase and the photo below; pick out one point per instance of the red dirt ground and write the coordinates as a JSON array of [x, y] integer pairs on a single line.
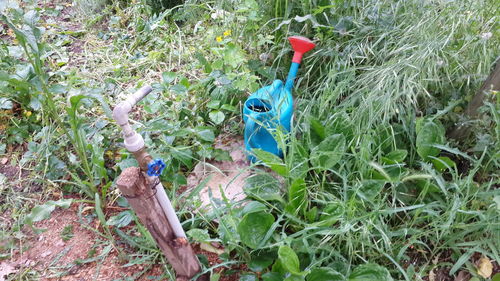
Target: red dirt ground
[[54, 259]]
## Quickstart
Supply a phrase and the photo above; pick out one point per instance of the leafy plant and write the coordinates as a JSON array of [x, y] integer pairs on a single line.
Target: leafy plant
[[254, 227], [43, 211], [67, 232]]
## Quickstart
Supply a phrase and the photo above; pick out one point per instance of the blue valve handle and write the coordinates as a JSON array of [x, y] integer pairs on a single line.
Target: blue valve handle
[[155, 168]]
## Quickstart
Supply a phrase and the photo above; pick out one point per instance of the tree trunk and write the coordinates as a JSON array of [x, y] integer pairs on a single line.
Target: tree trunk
[[492, 83]]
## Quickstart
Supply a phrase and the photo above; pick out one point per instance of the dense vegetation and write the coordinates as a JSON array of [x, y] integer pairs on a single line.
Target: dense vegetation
[[370, 188]]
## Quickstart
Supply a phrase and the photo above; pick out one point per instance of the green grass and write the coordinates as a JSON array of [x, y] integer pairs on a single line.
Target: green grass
[[370, 185]]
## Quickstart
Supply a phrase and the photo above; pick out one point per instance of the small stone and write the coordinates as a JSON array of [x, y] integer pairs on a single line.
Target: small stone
[[45, 254], [485, 267], [28, 263], [60, 243], [4, 160]]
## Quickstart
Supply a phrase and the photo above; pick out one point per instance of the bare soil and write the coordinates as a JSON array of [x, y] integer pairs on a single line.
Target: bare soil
[[226, 175], [55, 255]]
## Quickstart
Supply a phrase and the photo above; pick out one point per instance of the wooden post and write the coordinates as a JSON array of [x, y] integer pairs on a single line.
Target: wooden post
[[141, 197]]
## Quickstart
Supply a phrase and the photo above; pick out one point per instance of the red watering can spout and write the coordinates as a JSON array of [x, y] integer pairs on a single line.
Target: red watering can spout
[[300, 45]]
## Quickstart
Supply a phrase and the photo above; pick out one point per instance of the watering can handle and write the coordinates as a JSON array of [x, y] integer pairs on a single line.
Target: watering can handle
[[300, 45]]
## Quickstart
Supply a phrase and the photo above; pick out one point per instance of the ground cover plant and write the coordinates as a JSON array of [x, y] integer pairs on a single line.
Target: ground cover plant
[[372, 185]]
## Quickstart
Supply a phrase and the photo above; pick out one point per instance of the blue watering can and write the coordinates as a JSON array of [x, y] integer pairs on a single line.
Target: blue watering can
[[272, 106]]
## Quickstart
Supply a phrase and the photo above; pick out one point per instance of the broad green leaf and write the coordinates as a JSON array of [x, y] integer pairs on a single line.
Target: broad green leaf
[[75, 100], [278, 267], [217, 64], [158, 125], [217, 116], [294, 278], [233, 55], [122, 202], [253, 207], [122, 219], [263, 187], [298, 161], [31, 17], [443, 163], [183, 154], [297, 197], [312, 214], [98, 209], [228, 107], [8, 4], [259, 262], [213, 104], [58, 89], [203, 62], [370, 189], [57, 168], [254, 227], [272, 276], [126, 163], [429, 133], [289, 259], [340, 124], [370, 272], [168, 77], [395, 157], [390, 173], [331, 213], [206, 135], [317, 131], [324, 274], [214, 276], [198, 235], [42, 212], [428, 185], [178, 89], [227, 229], [328, 152], [221, 155], [272, 161], [248, 277]]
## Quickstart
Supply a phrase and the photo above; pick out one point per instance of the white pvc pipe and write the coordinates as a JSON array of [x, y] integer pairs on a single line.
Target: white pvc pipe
[[169, 211], [134, 142]]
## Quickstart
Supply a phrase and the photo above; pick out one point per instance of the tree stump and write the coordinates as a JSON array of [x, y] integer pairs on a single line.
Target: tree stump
[[142, 199]]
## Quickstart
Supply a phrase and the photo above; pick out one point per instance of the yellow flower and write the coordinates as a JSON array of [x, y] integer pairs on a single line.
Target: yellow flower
[[110, 153], [227, 33], [219, 39], [28, 113]]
